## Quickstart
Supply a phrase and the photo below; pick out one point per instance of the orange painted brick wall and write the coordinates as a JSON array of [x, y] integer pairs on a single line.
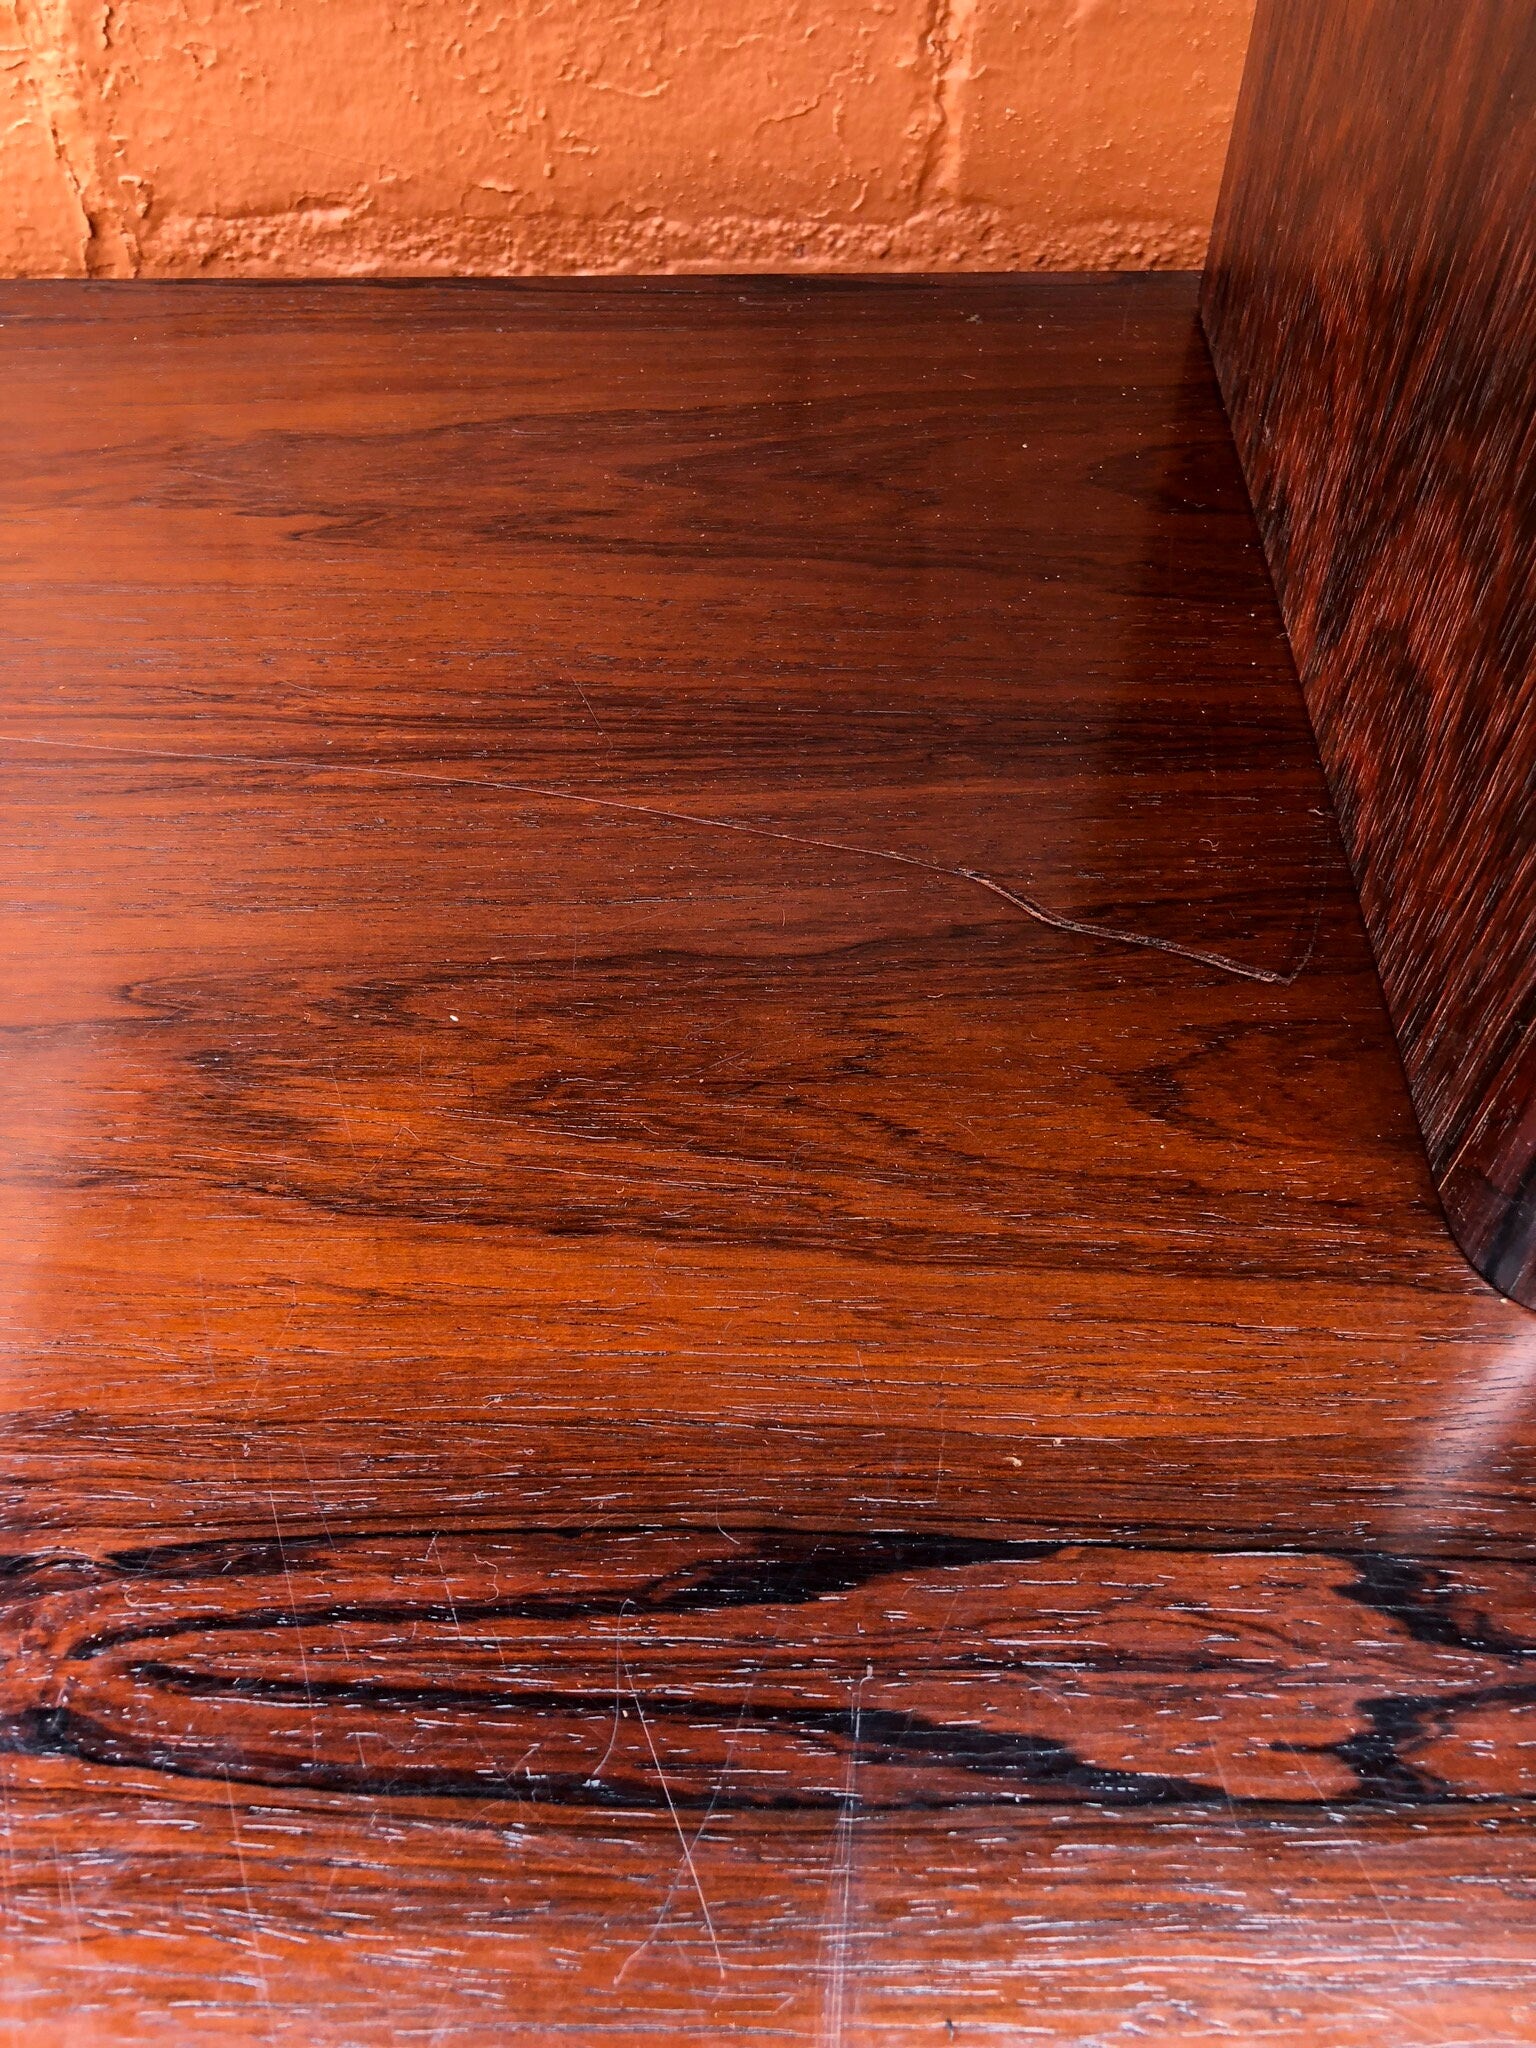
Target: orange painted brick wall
[[325, 137]]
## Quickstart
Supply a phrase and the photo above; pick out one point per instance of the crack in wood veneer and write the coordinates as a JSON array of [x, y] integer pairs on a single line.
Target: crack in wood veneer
[[1029, 906]]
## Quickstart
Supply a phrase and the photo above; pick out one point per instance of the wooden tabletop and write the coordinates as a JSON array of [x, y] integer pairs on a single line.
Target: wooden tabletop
[[721, 1317]]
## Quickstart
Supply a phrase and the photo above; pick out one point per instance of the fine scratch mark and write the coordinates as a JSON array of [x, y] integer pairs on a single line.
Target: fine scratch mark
[[698, 1833], [1350, 1843], [298, 1632], [686, 1846], [263, 1987], [64, 1891], [581, 693], [341, 1109], [938, 1476], [835, 2006], [618, 1695], [1028, 905]]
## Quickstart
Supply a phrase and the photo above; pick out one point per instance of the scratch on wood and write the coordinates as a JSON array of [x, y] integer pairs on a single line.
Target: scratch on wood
[[1029, 905]]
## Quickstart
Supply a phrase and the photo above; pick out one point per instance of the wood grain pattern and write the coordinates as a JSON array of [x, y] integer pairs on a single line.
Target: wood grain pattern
[[721, 1314], [1371, 302], [603, 1668]]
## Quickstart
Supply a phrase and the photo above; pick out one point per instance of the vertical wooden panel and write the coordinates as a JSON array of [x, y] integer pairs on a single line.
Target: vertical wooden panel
[[1371, 305]]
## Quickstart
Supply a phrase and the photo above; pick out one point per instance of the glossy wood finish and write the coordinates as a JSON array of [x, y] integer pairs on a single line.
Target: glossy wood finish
[[1371, 301], [722, 1316]]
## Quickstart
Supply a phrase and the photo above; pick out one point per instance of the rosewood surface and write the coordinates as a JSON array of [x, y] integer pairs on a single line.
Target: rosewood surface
[[1371, 301], [722, 1318]]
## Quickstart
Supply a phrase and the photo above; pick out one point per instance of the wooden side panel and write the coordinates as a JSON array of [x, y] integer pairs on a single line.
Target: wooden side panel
[[1371, 306]]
